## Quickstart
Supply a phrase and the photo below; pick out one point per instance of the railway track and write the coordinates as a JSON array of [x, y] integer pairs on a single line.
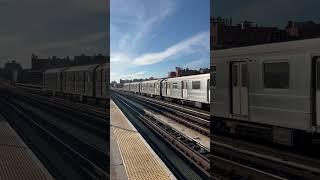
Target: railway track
[[186, 109], [195, 153], [39, 92], [178, 114], [97, 121], [80, 107], [281, 163], [89, 160]]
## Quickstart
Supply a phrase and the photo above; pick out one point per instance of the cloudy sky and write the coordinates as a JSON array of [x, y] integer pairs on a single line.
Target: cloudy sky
[[152, 37], [51, 27], [267, 12]]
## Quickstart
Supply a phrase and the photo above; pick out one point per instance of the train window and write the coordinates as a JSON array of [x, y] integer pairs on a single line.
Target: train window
[[235, 75], [195, 84], [212, 68], [276, 75], [175, 85], [213, 77]]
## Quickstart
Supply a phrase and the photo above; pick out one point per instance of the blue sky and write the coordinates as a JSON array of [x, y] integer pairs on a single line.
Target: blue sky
[[152, 37]]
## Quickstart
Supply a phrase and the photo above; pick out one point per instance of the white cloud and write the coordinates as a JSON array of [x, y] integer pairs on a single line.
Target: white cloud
[[119, 57], [183, 47], [141, 17]]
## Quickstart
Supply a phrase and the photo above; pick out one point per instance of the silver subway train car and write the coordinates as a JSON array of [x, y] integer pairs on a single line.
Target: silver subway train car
[[194, 89], [270, 91], [82, 82]]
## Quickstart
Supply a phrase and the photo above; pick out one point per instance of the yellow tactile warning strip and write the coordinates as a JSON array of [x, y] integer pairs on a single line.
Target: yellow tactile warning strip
[[16, 160], [139, 160], [15, 163]]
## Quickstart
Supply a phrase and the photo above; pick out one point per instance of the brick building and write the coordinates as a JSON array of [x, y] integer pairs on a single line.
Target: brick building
[[187, 72], [303, 30], [225, 35], [40, 64]]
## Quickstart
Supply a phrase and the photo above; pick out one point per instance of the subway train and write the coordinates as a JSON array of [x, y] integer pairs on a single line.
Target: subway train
[[81, 82], [269, 92], [193, 89]]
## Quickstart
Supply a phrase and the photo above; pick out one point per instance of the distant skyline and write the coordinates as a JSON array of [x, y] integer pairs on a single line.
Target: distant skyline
[[52, 28], [150, 38], [267, 12]]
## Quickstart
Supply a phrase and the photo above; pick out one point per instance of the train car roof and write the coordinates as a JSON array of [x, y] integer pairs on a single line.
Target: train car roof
[[103, 66], [190, 77], [151, 81], [90, 67], [307, 45], [135, 82], [54, 70]]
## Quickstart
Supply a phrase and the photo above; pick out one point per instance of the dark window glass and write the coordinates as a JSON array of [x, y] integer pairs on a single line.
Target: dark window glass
[[213, 68], [235, 75], [195, 84], [175, 85], [276, 75], [213, 79]]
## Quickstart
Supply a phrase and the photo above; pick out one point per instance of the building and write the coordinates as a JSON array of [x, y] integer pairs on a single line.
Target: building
[[204, 70], [40, 64], [225, 35], [187, 72], [12, 71], [172, 74], [303, 30]]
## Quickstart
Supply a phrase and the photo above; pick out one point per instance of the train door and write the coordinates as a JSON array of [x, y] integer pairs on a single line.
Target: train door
[[208, 90], [84, 82], [57, 82], [168, 88], [183, 90], [164, 89], [317, 89], [239, 79]]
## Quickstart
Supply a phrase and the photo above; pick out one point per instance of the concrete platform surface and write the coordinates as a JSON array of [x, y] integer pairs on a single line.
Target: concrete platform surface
[[131, 156], [17, 161]]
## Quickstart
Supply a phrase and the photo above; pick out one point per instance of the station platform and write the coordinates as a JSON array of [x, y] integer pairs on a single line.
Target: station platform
[[130, 155], [17, 161]]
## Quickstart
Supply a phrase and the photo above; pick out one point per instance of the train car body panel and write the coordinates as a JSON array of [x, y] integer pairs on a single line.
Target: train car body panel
[[80, 80], [126, 86], [273, 84], [52, 79], [149, 87], [191, 88], [135, 87], [101, 81]]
